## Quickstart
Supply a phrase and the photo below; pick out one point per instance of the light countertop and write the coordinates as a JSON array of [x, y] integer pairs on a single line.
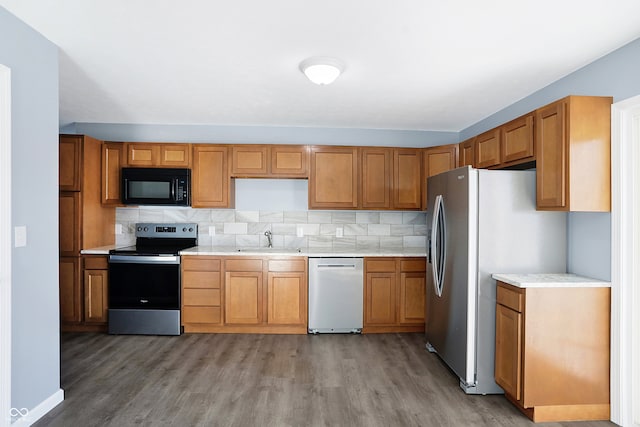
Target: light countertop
[[551, 280], [317, 252]]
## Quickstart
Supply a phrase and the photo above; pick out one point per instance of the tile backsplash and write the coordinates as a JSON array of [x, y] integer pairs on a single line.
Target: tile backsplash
[[360, 229]]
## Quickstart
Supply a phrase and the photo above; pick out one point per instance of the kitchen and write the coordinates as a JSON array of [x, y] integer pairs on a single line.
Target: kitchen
[[596, 79]]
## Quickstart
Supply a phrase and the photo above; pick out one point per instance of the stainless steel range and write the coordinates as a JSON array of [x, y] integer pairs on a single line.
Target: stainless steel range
[[144, 280]]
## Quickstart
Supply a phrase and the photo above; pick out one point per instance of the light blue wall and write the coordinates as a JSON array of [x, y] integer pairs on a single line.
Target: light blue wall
[[262, 135], [617, 75], [33, 61]]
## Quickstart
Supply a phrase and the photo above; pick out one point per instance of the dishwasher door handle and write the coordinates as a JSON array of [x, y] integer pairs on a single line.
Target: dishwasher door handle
[[336, 266]]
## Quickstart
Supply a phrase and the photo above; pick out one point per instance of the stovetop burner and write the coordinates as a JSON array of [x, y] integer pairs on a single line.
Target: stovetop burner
[[161, 239]]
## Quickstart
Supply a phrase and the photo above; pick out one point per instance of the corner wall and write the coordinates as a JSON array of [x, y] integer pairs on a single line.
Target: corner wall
[[616, 74], [35, 346]]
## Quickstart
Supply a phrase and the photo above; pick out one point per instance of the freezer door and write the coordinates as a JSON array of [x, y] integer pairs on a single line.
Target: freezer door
[[452, 214]]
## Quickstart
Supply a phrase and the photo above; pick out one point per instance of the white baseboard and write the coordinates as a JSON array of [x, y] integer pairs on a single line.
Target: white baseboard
[[41, 410]]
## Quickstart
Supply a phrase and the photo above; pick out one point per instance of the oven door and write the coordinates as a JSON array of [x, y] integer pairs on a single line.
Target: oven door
[[144, 282]]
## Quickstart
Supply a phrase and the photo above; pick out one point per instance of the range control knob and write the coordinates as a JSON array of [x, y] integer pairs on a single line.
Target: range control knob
[[190, 229], [139, 228], [146, 229], [184, 229]]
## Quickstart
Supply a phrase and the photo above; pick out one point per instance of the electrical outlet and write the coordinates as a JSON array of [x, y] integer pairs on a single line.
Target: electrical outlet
[[299, 231], [339, 232], [20, 236], [118, 228], [212, 230]]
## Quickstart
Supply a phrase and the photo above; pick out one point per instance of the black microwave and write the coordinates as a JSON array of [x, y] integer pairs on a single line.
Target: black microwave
[[156, 186]]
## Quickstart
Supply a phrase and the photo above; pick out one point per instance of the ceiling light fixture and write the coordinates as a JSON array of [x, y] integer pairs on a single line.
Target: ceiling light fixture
[[322, 70]]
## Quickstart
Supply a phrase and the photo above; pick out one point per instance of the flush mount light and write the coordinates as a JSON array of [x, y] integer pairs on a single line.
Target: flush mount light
[[322, 70]]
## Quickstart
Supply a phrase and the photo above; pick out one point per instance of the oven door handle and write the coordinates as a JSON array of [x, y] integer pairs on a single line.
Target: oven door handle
[[142, 259]]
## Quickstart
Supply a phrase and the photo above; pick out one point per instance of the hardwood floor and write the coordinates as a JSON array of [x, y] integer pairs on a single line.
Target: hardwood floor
[[267, 380]]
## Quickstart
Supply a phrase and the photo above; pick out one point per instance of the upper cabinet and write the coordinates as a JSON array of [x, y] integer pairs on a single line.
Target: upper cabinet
[[573, 154], [211, 186], [487, 149], [112, 160], [467, 153], [437, 160], [70, 152], [333, 180], [270, 161], [517, 143], [147, 154], [391, 178]]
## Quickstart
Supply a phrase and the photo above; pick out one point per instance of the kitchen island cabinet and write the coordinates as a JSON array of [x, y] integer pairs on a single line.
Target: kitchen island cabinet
[[552, 350]]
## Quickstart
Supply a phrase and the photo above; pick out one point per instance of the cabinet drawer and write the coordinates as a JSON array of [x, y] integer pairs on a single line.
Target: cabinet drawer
[[510, 297], [287, 264], [243, 265], [201, 315], [201, 279], [413, 264], [201, 297], [200, 263], [96, 263], [379, 265]]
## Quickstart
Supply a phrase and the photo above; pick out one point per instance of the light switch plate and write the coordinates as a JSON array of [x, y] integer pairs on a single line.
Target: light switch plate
[[20, 236], [212, 230], [118, 228], [339, 232], [299, 231]]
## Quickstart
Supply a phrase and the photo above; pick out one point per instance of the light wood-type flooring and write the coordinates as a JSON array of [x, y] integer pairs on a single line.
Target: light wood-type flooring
[[267, 380]]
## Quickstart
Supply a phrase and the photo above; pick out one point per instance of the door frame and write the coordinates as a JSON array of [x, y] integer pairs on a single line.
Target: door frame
[[625, 274], [5, 245]]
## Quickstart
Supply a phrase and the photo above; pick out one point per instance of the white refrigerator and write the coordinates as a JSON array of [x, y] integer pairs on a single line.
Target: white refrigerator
[[481, 222]]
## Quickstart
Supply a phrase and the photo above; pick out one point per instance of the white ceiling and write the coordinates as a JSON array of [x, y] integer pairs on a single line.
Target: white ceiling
[[410, 64]]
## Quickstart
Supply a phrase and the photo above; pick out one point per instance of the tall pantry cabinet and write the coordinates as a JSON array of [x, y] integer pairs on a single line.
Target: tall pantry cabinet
[[83, 223]]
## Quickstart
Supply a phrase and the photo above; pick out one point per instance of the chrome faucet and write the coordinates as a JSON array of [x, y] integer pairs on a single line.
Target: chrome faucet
[[268, 234]]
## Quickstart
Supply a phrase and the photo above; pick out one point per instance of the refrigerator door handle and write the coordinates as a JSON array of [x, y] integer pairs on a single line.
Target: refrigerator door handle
[[438, 245]]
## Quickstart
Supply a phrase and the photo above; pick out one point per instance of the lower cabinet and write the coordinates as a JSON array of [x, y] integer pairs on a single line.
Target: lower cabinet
[[244, 294], [83, 285], [552, 351], [394, 294]]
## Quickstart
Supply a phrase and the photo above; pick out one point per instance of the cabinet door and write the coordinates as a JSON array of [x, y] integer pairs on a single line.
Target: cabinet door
[[174, 155], [517, 139], [551, 157], [69, 286], [333, 182], [210, 183], [243, 297], [112, 160], [488, 149], [380, 298], [467, 152], [437, 160], [287, 298], [142, 154], [508, 359], [69, 223], [249, 160], [290, 161], [95, 296], [70, 152], [376, 178], [412, 297], [407, 179]]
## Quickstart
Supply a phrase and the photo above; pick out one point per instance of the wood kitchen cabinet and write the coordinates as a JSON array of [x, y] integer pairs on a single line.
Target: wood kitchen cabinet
[[112, 161], [394, 294], [244, 294], [334, 177], [150, 154], [573, 154], [467, 153], [487, 149], [211, 186], [201, 292], [83, 286], [407, 179], [437, 160], [84, 222], [552, 351], [517, 141], [270, 161]]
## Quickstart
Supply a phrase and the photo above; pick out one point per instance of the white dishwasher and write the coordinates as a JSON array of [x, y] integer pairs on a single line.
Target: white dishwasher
[[335, 295]]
